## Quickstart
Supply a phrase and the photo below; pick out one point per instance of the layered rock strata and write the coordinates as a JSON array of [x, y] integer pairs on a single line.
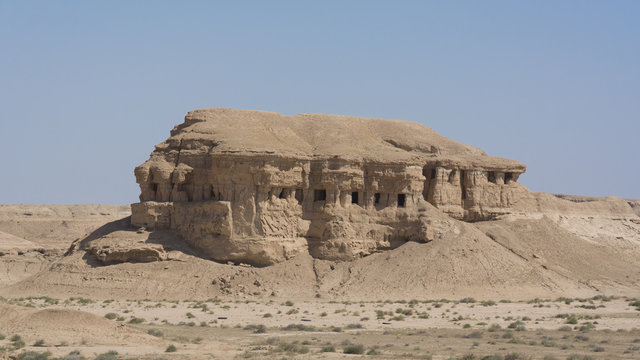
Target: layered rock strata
[[259, 187]]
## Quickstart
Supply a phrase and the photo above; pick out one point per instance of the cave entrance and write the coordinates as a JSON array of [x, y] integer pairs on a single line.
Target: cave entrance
[[299, 196], [508, 177], [354, 197], [319, 195], [492, 177], [402, 200], [462, 187]]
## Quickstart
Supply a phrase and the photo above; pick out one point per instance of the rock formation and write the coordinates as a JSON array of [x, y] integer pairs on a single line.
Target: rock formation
[[259, 187]]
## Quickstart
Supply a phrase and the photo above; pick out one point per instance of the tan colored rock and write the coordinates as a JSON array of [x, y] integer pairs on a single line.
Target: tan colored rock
[[259, 187], [129, 253], [635, 205]]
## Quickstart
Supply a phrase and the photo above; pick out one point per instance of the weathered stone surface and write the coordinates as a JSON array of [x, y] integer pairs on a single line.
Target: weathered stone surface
[[114, 255], [259, 187]]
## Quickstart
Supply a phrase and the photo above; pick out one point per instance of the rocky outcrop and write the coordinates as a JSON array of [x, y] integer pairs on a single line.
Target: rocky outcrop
[[140, 252], [259, 187]]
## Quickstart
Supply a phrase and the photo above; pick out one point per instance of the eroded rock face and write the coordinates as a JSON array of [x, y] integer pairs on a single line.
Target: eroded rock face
[[259, 187]]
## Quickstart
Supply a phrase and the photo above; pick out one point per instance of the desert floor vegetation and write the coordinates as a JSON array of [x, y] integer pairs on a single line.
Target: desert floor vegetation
[[577, 329]]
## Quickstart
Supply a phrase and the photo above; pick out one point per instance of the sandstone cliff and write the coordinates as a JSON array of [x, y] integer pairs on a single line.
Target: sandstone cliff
[[260, 187]]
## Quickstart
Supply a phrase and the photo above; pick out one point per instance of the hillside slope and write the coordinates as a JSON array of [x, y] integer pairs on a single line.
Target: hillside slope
[[560, 248]]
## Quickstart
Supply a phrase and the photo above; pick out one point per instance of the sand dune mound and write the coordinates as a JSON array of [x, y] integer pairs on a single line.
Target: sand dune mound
[[61, 325], [542, 242], [459, 265], [12, 243]]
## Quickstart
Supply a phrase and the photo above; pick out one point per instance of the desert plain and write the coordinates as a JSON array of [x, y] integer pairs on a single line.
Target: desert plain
[[368, 238], [57, 306]]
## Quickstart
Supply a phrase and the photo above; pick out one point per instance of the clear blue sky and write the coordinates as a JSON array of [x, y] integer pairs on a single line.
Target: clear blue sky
[[87, 88]]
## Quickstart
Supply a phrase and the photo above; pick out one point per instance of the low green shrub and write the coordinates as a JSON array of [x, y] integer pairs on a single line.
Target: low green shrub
[[354, 349]]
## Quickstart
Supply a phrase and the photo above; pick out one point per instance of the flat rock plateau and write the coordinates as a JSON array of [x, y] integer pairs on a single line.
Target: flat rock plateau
[[263, 235]]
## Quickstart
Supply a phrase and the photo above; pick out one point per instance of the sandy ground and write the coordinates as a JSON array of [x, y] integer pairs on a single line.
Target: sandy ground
[[602, 328], [59, 301]]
